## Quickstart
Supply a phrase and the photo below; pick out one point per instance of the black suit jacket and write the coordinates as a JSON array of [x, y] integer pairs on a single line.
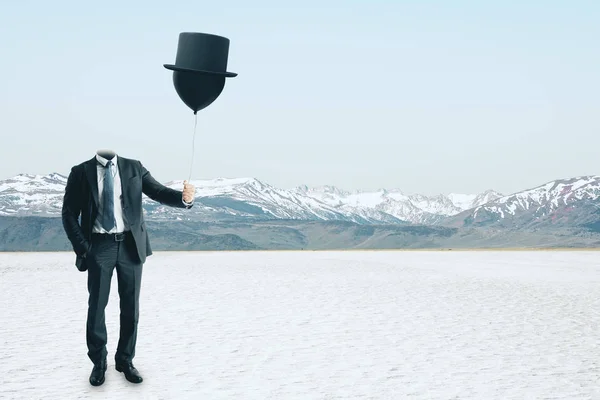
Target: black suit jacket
[[81, 199]]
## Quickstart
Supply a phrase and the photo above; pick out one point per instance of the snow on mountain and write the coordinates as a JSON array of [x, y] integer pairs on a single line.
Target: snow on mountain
[[327, 193], [462, 201], [27, 183], [414, 208], [468, 201], [273, 202], [234, 195], [554, 199], [249, 197], [551, 195], [363, 204], [27, 194]]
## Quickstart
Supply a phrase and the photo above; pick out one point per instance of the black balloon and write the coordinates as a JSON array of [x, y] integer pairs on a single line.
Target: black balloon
[[196, 90], [200, 68]]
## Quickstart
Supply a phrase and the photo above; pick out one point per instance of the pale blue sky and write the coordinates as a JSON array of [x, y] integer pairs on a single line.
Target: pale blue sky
[[429, 96]]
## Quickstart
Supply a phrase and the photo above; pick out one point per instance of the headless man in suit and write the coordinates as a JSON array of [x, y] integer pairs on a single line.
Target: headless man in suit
[[107, 192]]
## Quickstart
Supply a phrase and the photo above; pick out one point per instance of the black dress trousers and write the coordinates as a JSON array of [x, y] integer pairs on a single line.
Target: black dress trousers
[[107, 253]]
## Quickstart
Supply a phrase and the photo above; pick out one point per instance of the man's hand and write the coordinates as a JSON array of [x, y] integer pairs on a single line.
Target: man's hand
[[188, 192]]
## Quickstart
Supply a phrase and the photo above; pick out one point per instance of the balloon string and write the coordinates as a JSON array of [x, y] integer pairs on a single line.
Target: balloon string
[[193, 145]]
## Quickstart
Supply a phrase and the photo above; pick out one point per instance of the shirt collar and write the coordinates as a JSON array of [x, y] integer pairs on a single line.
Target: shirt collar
[[103, 160]]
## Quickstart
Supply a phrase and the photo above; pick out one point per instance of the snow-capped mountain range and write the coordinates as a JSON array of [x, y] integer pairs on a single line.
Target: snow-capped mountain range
[[573, 201], [249, 198], [32, 194]]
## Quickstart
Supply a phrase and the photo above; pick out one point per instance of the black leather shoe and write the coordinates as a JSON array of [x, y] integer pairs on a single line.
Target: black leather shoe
[[131, 374], [97, 375]]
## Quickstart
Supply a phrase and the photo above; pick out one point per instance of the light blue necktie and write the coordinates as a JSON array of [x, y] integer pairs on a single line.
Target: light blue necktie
[[108, 212]]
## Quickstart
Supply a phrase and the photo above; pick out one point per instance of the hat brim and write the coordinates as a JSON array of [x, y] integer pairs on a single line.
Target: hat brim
[[182, 69]]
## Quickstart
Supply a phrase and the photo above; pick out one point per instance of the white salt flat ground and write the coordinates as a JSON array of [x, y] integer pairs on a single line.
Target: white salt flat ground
[[315, 325]]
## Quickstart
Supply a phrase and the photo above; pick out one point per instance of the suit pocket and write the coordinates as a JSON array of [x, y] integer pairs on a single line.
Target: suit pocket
[[90, 252]]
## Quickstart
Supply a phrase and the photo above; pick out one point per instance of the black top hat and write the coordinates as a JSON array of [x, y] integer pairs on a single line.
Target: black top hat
[[202, 53]]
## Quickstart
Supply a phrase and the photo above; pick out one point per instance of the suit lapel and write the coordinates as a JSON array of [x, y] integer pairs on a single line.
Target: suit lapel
[[124, 173], [91, 171]]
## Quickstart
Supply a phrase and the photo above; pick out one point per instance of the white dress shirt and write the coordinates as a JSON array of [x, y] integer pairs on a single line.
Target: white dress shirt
[[121, 223]]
